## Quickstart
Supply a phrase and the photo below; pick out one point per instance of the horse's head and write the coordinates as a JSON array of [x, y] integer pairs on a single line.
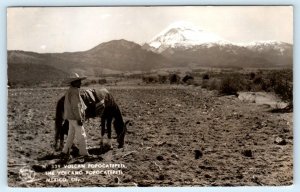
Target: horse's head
[[121, 134]]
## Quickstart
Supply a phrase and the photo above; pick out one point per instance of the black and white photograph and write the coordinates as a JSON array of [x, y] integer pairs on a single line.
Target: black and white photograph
[[146, 96]]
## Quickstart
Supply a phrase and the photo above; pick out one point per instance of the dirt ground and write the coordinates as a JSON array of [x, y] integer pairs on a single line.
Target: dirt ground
[[179, 136]]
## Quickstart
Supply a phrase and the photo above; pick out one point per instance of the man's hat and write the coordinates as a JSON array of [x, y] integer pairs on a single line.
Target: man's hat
[[74, 77]]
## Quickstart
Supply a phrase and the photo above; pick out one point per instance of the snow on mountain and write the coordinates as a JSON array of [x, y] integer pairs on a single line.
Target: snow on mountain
[[265, 43], [184, 34], [261, 46]]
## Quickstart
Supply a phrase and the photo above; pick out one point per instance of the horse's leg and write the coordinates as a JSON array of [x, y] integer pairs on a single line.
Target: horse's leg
[[61, 144], [58, 132], [63, 130], [108, 125], [59, 123], [56, 137], [102, 130]]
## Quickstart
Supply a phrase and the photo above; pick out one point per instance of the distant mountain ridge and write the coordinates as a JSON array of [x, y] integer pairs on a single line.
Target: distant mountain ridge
[[179, 45], [116, 55]]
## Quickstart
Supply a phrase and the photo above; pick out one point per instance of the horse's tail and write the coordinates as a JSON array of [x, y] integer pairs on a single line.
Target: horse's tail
[[59, 132]]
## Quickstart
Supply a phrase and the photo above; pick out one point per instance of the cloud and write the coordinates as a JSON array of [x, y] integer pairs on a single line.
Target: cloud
[[43, 47]]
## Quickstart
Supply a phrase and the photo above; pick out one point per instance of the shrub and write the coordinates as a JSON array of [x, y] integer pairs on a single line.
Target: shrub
[[190, 82], [86, 83], [284, 89], [150, 79], [258, 80], [102, 81], [162, 78], [214, 84], [196, 84], [281, 82], [252, 75], [93, 81], [228, 86], [259, 83], [205, 76], [174, 78], [231, 84], [204, 84], [187, 78]]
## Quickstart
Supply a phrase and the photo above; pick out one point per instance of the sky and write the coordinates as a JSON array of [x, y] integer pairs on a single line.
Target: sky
[[70, 29]]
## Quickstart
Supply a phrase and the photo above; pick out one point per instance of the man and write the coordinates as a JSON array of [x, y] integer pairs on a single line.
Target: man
[[74, 109]]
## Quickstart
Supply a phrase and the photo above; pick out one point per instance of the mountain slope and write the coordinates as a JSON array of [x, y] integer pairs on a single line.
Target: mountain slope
[[125, 56], [29, 74], [120, 55]]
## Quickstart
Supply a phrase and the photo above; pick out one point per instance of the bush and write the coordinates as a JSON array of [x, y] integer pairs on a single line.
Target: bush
[[281, 82], [205, 76], [162, 78], [204, 84], [231, 84], [259, 84], [174, 78], [150, 79], [258, 80], [190, 82], [285, 90], [252, 75], [86, 83], [228, 86], [214, 84], [196, 84], [188, 79], [102, 81]]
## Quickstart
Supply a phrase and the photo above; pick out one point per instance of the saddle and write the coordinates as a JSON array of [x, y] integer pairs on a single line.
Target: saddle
[[95, 107], [99, 103], [90, 93]]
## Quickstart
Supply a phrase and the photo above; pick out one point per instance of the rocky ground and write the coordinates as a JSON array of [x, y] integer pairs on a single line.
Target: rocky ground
[[178, 136]]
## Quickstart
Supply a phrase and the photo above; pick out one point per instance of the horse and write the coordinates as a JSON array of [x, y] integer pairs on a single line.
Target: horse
[[100, 103]]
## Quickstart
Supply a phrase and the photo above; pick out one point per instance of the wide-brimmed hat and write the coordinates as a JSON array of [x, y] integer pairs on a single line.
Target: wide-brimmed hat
[[74, 77]]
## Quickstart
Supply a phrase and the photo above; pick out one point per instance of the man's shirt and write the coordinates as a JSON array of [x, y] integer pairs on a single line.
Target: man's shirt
[[74, 106]]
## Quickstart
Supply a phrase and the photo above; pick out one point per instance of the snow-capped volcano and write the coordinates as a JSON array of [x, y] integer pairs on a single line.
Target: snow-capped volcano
[[185, 43], [184, 34]]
